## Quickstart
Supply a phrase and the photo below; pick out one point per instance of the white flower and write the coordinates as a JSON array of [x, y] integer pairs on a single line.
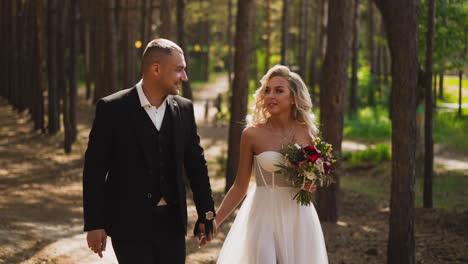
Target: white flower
[[319, 165], [297, 146], [310, 175]]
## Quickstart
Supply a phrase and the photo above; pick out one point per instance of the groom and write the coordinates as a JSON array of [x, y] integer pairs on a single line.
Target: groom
[[141, 140]]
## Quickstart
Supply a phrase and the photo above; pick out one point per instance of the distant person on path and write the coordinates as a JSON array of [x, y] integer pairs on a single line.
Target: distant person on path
[[141, 140]]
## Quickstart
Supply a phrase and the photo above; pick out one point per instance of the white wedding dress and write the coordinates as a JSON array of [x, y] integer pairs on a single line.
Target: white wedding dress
[[271, 227]]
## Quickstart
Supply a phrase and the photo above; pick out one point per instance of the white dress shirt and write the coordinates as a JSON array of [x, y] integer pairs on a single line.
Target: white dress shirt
[[155, 113]]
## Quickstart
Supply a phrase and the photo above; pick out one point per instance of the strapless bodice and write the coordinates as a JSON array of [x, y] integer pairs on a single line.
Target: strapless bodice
[[266, 169]]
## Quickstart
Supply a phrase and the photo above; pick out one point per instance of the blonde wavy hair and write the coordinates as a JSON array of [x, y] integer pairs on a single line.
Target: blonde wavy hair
[[302, 107]]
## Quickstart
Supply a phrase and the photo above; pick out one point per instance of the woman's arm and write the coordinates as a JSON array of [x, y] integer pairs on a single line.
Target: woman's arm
[[241, 183]]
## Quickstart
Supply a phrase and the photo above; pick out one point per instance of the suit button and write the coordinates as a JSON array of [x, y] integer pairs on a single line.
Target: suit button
[[149, 195]]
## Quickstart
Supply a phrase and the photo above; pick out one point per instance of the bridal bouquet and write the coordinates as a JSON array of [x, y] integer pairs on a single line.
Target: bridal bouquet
[[306, 167]]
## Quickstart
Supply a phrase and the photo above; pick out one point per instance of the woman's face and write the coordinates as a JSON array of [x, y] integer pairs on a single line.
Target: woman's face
[[278, 97]]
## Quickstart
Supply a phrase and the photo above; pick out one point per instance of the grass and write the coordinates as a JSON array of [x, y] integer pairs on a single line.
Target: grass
[[450, 129], [373, 125], [451, 84], [370, 125], [378, 153], [449, 187]]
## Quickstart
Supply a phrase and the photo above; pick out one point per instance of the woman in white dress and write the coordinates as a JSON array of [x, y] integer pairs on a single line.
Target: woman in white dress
[[270, 226]]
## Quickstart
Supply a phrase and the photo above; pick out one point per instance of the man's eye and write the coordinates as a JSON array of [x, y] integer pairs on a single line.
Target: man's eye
[[279, 91]]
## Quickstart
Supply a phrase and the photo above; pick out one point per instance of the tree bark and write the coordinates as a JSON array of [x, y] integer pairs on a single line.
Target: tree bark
[[401, 24], [143, 21], [111, 47], [285, 32], [267, 34], [230, 44], [334, 83], [38, 98], [73, 75], [240, 89], [53, 100], [460, 88], [353, 95], [371, 33], [166, 24], [428, 140], [303, 39], [316, 51], [181, 37], [62, 71]]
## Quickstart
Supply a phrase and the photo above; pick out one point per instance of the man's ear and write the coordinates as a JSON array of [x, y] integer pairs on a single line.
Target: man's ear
[[156, 68]]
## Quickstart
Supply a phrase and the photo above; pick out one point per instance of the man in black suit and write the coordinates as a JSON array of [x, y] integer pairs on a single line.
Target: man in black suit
[[141, 140]]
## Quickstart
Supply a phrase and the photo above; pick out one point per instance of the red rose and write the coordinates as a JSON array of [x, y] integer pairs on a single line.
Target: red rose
[[327, 166], [312, 153]]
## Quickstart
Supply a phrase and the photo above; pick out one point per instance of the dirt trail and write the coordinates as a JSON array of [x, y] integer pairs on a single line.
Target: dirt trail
[[41, 207]]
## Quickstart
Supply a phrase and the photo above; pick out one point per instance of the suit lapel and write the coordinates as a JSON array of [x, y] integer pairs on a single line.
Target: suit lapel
[[143, 127], [176, 125]]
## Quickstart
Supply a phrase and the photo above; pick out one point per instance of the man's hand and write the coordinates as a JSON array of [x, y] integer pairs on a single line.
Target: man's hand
[[202, 237], [97, 241]]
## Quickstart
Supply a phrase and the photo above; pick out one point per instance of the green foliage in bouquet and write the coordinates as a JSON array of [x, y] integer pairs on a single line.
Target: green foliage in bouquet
[[307, 167]]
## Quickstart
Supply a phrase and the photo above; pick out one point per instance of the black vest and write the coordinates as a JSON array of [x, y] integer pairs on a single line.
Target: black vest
[[164, 168]]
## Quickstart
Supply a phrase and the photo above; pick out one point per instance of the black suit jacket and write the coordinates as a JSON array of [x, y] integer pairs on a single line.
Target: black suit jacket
[[118, 166]]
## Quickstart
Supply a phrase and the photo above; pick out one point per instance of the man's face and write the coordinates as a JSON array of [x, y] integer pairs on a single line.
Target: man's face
[[172, 73]]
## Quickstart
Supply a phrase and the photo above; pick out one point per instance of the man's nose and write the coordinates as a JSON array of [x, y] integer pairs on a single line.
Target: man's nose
[[184, 77]]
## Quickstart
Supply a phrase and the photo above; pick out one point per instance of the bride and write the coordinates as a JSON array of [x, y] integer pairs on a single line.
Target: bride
[[270, 226]]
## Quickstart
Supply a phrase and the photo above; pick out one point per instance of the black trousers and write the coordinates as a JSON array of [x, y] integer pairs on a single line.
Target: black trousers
[[167, 244]]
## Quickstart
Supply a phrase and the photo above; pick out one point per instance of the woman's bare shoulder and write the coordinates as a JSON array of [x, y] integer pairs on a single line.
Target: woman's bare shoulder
[[253, 132]]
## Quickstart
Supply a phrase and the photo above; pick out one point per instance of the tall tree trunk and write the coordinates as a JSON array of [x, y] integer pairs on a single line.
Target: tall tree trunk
[[240, 89], [148, 30], [401, 24], [267, 35], [303, 40], [181, 38], [371, 34], [134, 54], [316, 50], [253, 48], [229, 44], [125, 45], [6, 58], [87, 54], [38, 98], [353, 96], [285, 32], [73, 76], [143, 20], [111, 47], [53, 100], [460, 88], [63, 70], [334, 83], [166, 25], [428, 140], [385, 66]]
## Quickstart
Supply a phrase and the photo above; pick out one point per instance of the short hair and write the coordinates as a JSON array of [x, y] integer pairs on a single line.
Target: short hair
[[157, 49]]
